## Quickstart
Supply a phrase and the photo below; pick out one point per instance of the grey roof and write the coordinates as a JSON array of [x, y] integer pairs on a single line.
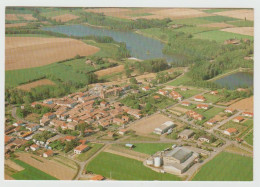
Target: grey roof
[[178, 153]]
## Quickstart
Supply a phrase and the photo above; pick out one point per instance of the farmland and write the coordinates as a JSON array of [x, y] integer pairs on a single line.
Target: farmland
[[20, 50], [227, 167], [30, 173], [241, 30], [121, 168], [29, 86]]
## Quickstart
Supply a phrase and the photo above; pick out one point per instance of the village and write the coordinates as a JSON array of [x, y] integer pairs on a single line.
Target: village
[[96, 116]]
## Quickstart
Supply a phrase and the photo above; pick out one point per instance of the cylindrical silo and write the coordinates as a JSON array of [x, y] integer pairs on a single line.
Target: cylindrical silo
[[157, 161]]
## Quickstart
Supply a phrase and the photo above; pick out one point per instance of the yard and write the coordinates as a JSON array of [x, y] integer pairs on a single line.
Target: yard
[[30, 173], [122, 168], [226, 167]]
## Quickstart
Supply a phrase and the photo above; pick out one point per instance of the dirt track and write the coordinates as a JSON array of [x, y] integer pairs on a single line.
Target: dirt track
[[27, 52]]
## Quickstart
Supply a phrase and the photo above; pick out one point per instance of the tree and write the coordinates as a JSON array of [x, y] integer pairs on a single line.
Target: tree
[[133, 80]]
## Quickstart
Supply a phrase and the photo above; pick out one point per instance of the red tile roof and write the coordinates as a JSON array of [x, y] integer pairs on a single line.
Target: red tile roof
[[81, 147]]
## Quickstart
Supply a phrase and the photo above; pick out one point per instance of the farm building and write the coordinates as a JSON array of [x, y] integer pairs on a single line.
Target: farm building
[[8, 139], [230, 131], [34, 147], [186, 134], [199, 98], [48, 153], [81, 148], [238, 119], [122, 131], [163, 128]]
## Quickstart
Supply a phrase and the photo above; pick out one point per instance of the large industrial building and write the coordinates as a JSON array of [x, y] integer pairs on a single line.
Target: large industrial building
[[163, 128], [176, 161]]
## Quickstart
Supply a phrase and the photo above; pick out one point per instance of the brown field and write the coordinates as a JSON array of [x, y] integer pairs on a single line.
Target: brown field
[[27, 17], [29, 86], [244, 104], [11, 17], [241, 30], [27, 52], [229, 102], [217, 25], [13, 165], [157, 13], [240, 14], [65, 17], [180, 109], [147, 125], [219, 117], [15, 25], [50, 167], [7, 177], [108, 71]]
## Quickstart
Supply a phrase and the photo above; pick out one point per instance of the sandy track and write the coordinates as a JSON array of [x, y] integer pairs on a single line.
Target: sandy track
[[65, 17], [50, 167], [240, 14], [27, 52], [240, 30], [244, 104], [147, 125], [108, 71], [29, 86], [15, 25]]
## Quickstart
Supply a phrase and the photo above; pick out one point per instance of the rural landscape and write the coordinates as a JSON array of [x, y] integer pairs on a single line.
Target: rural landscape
[[142, 94]]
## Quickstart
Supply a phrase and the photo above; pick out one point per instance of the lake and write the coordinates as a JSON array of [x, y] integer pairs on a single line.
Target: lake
[[140, 46], [236, 80]]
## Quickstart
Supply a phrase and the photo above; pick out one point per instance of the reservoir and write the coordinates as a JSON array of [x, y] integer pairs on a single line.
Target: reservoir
[[236, 80], [140, 46]]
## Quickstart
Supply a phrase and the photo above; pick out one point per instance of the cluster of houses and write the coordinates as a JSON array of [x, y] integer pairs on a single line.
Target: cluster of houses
[[173, 94], [194, 115]]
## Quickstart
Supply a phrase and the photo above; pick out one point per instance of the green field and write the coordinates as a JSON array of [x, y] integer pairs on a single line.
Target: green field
[[211, 98], [218, 18], [140, 14], [94, 148], [189, 93], [122, 168], [31, 173], [180, 81], [212, 112], [242, 23], [190, 21], [213, 10], [60, 11], [249, 138], [194, 30], [226, 167], [220, 36], [151, 148]]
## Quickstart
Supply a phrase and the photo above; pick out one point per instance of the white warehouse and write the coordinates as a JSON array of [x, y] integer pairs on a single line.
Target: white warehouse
[[163, 128]]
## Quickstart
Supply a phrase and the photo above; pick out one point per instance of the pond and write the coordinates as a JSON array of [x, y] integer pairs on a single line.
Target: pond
[[140, 46], [236, 80]]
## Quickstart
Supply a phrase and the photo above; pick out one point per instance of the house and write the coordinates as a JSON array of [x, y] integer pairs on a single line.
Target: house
[[202, 106], [211, 122], [194, 115], [118, 121], [199, 98], [238, 119], [97, 178], [156, 97], [81, 148], [110, 134], [214, 92], [176, 96], [8, 139], [44, 121], [18, 123], [185, 134], [88, 132], [248, 114], [230, 131], [146, 88], [49, 115], [103, 103], [204, 139], [33, 127], [122, 131], [69, 138], [185, 103], [230, 110], [163, 92], [135, 112], [48, 153], [72, 125], [34, 147]]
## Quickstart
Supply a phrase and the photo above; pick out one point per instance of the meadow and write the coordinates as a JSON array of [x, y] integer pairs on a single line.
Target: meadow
[[30, 173], [218, 18], [122, 168], [226, 167]]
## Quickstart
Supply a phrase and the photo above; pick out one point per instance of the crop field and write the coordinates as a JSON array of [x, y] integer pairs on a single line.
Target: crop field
[[241, 30], [65, 17], [226, 167], [247, 14], [150, 148], [242, 23], [15, 25], [122, 168], [109, 71], [94, 148], [213, 10], [29, 86], [218, 18], [147, 125], [27, 52], [220, 36], [212, 112], [51, 167], [217, 25], [244, 104], [30, 173], [194, 30], [11, 17]]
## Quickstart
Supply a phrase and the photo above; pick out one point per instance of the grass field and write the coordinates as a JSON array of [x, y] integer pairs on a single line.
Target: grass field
[[94, 148], [249, 138], [220, 36], [211, 98], [30, 173], [218, 18], [242, 23], [106, 49], [190, 21], [194, 30], [212, 112], [122, 168], [180, 81], [213, 10], [188, 93], [226, 167], [151, 148]]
